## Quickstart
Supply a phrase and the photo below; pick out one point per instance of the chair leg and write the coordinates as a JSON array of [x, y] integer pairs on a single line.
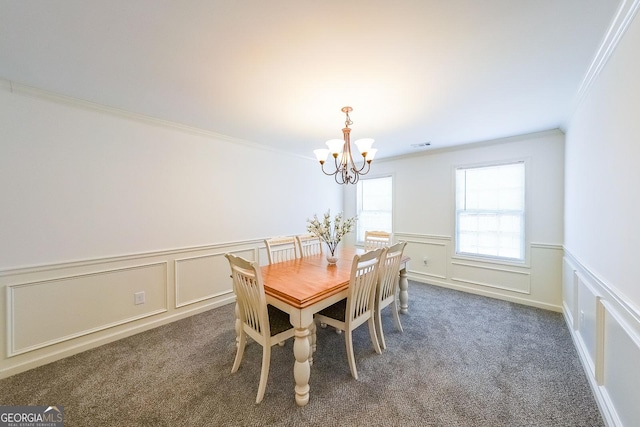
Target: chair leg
[[242, 340], [264, 372], [378, 319], [396, 316], [348, 339], [372, 333]]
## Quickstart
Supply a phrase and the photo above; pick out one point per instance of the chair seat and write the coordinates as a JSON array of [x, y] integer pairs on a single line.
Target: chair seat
[[278, 320], [336, 311]]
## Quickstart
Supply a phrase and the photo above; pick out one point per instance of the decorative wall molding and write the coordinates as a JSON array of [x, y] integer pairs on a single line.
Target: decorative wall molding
[[204, 276], [493, 278], [609, 346], [618, 27], [422, 237], [476, 144], [126, 257], [16, 87], [16, 330], [552, 246], [174, 289], [608, 290], [499, 273]]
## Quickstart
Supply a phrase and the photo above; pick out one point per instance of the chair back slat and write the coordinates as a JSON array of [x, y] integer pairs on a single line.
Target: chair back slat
[[364, 275], [280, 249], [309, 244], [249, 290], [376, 239], [389, 271]]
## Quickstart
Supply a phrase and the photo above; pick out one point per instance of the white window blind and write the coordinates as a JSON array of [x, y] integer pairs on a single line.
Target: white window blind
[[374, 205], [490, 211]]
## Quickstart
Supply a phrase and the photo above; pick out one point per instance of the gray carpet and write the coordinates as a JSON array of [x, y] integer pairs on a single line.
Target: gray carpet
[[463, 360]]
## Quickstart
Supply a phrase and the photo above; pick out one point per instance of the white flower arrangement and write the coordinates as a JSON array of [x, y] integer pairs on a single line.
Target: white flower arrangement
[[330, 233]]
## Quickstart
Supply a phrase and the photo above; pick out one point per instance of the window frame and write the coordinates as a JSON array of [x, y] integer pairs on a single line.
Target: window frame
[[526, 243], [357, 203]]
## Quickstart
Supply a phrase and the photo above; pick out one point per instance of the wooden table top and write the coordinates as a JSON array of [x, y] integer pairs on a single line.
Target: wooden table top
[[304, 281]]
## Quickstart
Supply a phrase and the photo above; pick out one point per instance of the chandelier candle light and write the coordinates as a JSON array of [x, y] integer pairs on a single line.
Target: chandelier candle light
[[330, 233], [346, 170]]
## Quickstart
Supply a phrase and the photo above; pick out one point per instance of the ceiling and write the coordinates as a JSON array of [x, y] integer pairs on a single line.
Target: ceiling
[[277, 73]]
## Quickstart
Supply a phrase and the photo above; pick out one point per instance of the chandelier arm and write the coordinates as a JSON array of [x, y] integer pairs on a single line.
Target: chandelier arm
[[325, 172], [364, 164]]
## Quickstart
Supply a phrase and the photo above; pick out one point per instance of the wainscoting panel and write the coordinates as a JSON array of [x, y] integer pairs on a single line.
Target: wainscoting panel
[[569, 292], [622, 351], [47, 312], [428, 258], [606, 331], [493, 277], [197, 277], [57, 310], [587, 321], [537, 283]]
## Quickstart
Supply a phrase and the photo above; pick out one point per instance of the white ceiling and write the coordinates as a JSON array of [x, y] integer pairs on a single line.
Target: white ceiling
[[278, 72]]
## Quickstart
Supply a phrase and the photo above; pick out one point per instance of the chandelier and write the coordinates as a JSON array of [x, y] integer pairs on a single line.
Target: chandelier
[[346, 171]]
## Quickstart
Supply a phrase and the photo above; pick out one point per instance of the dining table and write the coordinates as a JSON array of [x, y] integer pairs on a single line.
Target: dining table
[[304, 286]]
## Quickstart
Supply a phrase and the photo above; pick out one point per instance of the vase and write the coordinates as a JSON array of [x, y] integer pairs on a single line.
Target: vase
[[331, 258], [331, 252]]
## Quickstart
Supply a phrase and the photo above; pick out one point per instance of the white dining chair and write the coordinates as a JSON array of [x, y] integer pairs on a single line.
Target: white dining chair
[[309, 244], [281, 249], [376, 239], [267, 325], [353, 311], [387, 288]]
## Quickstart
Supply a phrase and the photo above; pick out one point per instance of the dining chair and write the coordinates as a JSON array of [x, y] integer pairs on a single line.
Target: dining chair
[[387, 288], [376, 239], [309, 244], [267, 325], [281, 249], [353, 311]]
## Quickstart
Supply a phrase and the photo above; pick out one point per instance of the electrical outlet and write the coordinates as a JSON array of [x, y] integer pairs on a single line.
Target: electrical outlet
[[138, 298], [581, 316]]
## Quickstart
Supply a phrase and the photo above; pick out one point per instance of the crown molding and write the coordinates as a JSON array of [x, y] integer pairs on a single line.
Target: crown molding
[[15, 87], [619, 25]]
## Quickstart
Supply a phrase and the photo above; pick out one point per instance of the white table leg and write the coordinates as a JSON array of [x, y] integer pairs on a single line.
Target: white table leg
[[404, 292], [312, 342], [302, 367]]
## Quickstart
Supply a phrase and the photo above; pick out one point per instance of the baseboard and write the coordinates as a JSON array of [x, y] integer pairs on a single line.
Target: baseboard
[[486, 293]]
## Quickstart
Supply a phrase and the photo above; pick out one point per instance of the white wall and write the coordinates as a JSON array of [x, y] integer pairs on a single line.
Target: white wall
[[424, 217], [601, 292], [98, 204], [79, 183]]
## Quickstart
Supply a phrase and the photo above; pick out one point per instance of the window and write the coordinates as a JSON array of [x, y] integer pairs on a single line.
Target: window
[[490, 211], [374, 205]]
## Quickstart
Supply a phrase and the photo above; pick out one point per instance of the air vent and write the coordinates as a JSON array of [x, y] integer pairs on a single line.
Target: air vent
[[421, 145]]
